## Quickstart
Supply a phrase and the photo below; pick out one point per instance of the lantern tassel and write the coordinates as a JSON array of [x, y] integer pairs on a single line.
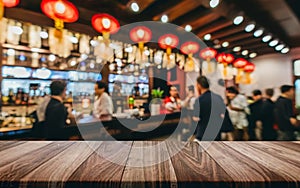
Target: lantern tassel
[[248, 78], [141, 47], [238, 76], [225, 70], [209, 67], [59, 25], [106, 36], [1, 9]]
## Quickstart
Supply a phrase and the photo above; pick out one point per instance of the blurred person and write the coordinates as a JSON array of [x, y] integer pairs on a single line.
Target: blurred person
[[238, 107], [189, 101], [267, 116], [284, 115], [172, 103], [210, 120], [103, 105], [56, 113], [255, 124]]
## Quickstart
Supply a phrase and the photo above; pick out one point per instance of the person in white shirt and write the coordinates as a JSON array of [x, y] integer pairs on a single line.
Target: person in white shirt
[[190, 99], [238, 109], [103, 105]]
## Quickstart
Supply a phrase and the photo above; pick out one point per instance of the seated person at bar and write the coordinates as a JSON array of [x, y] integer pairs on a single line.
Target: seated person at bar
[[210, 113], [103, 105], [189, 101], [172, 103], [56, 113]]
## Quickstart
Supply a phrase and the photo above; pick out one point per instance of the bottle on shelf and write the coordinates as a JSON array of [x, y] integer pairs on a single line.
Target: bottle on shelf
[[130, 102], [11, 96]]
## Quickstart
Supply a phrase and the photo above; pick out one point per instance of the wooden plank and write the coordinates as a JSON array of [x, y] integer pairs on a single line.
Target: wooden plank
[[282, 152], [98, 170], [291, 145], [194, 167], [160, 174], [270, 161], [178, 10], [56, 171], [8, 144], [19, 150], [12, 172], [244, 171]]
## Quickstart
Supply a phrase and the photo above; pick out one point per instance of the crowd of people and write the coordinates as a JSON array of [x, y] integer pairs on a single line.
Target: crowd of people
[[215, 119]]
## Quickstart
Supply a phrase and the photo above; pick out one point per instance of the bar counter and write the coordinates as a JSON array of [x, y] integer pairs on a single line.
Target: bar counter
[[222, 164]]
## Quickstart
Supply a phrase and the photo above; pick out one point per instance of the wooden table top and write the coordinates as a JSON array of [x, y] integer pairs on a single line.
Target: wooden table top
[[221, 164]]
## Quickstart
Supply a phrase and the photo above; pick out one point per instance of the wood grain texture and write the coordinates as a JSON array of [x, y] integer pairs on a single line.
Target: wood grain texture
[[244, 171], [160, 174], [57, 170], [194, 167], [269, 161], [99, 168], [134, 164]]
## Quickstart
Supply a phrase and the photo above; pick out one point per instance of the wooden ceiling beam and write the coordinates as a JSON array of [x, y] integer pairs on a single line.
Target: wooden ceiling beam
[[192, 15], [245, 41], [232, 29], [178, 10], [235, 37], [214, 26], [204, 20]]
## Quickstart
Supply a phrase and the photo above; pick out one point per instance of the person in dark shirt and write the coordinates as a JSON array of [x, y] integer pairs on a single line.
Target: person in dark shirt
[[284, 115], [210, 113], [267, 116], [56, 112], [255, 124]]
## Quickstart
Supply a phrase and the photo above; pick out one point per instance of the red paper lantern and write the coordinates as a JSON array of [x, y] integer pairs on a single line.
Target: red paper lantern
[[208, 53], [10, 3], [168, 41], [105, 24], [248, 69], [60, 11], [225, 59], [140, 35], [239, 63], [189, 47]]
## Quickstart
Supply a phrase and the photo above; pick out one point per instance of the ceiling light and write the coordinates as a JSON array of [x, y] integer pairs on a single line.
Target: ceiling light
[[134, 7], [51, 57], [207, 37], [225, 44], [245, 52], [249, 27], [279, 47], [253, 55], [238, 20], [237, 49], [188, 28], [258, 32], [43, 34], [164, 18], [214, 3], [273, 43], [17, 30], [285, 50], [267, 38]]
